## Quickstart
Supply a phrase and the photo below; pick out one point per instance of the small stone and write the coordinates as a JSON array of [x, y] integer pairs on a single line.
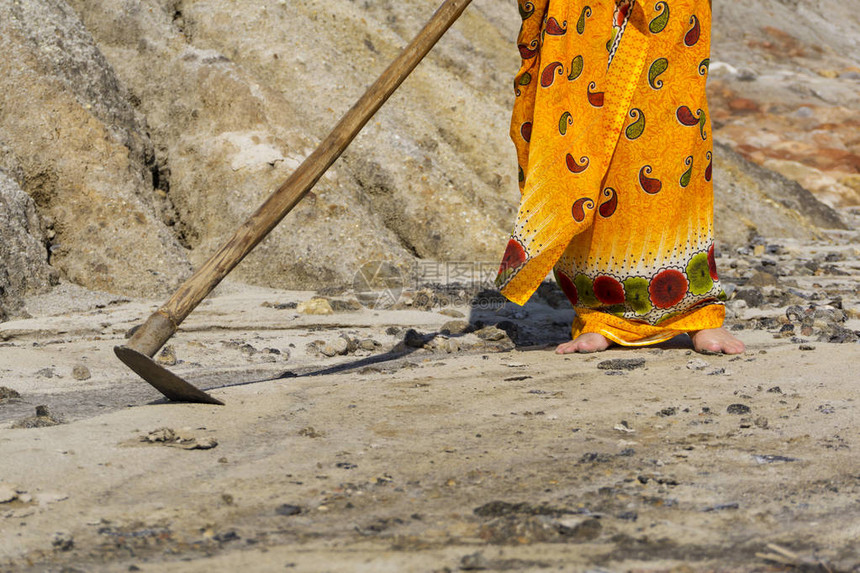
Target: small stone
[[315, 348], [751, 295], [81, 372], [329, 350], [174, 439], [248, 350], [199, 444], [315, 306], [444, 344], [622, 364], [159, 435], [474, 562], [42, 419], [491, 333], [45, 373], [761, 422], [579, 528], [775, 390], [368, 344], [63, 541], [167, 356], [456, 327], [310, 432], [806, 347], [352, 343], [762, 279], [288, 509], [697, 364], [746, 75], [717, 372], [738, 409], [665, 412], [337, 347], [8, 394], [624, 426]]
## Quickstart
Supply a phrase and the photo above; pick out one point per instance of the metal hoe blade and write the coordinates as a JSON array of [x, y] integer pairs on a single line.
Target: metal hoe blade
[[165, 381]]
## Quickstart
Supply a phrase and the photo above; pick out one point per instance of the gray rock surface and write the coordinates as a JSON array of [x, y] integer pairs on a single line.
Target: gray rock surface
[[25, 268], [75, 145], [829, 25], [236, 97], [752, 200]]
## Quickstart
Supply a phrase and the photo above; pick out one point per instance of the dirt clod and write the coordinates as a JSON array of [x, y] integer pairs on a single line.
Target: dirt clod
[[42, 419], [183, 440], [81, 372], [622, 364], [8, 394], [738, 409], [288, 509], [474, 562]]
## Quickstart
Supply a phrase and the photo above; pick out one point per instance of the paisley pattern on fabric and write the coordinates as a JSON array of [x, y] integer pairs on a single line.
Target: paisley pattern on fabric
[[616, 169]]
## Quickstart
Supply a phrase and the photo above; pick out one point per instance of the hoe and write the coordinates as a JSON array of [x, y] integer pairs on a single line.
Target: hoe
[[156, 331]]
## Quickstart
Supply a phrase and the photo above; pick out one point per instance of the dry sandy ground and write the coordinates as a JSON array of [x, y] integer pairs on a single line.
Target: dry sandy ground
[[483, 458]]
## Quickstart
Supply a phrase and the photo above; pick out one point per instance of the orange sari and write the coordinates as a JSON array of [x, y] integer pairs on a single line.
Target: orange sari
[[612, 132]]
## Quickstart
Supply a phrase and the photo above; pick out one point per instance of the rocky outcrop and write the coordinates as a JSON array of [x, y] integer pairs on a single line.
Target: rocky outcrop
[[751, 200], [147, 131], [233, 112], [25, 266], [779, 31], [81, 152], [785, 90]]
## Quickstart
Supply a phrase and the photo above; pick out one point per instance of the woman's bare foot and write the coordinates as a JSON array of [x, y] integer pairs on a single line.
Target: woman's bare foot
[[584, 343], [716, 341]]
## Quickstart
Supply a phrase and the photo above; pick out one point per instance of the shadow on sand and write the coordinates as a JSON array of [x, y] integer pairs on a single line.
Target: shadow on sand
[[539, 326]]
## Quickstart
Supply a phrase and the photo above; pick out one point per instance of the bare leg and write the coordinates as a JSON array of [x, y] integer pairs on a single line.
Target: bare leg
[[716, 341], [585, 343]]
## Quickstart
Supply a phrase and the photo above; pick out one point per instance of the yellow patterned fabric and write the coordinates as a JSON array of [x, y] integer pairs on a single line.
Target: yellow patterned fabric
[[613, 141]]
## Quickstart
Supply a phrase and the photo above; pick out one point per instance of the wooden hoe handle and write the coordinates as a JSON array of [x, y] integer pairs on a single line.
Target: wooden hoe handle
[[152, 335]]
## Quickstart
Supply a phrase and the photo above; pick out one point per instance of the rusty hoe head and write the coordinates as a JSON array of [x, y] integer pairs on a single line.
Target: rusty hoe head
[[137, 355]]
